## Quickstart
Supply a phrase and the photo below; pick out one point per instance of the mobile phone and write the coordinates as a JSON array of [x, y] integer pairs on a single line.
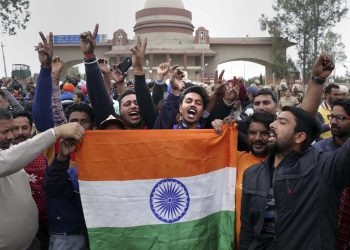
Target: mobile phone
[[124, 65]]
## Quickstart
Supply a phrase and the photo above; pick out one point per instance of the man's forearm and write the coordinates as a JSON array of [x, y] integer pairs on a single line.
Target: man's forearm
[[312, 98]]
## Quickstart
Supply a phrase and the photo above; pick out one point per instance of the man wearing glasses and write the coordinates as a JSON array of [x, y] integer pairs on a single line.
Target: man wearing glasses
[[339, 120]]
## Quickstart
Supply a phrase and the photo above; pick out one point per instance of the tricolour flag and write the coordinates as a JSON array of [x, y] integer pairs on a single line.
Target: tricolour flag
[[159, 189]]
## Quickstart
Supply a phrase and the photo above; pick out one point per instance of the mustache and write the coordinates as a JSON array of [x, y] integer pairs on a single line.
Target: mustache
[[21, 137], [259, 143], [192, 107]]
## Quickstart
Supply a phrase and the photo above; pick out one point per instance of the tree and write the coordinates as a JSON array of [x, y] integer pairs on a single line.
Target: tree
[[14, 15], [332, 45], [304, 21]]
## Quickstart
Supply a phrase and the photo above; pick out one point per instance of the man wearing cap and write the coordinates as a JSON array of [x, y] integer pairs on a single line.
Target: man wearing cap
[[290, 200]]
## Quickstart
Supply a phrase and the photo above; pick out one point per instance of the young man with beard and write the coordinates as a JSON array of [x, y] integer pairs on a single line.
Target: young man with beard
[[289, 201], [35, 170], [340, 127], [331, 94], [258, 130], [183, 109]]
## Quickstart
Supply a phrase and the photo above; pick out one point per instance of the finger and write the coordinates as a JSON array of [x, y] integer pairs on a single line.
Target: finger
[[43, 38], [40, 45], [221, 74], [83, 35], [216, 77], [95, 31], [44, 51], [144, 45], [133, 51], [89, 39], [51, 39], [139, 43], [169, 62]]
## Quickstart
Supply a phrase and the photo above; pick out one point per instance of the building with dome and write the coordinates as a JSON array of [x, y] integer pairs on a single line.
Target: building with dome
[[171, 34]]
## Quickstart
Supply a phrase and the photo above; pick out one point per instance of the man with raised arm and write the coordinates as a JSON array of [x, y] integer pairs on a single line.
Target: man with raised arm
[[18, 213]]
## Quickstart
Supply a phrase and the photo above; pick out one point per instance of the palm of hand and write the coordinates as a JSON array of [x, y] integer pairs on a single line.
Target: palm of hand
[[104, 68], [116, 76], [86, 46], [57, 66]]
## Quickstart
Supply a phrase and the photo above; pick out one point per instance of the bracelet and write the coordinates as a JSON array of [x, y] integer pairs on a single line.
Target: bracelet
[[89, 56], [318, 80], [92, 62]]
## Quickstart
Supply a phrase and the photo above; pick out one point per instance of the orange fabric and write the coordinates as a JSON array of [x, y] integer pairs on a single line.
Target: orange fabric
[[244, 161], [126, 155]]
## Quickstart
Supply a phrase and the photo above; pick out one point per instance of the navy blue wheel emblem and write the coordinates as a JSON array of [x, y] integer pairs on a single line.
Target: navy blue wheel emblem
[[169, 200]]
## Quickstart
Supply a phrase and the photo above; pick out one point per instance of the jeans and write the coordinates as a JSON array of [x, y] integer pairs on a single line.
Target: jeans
[[67, 242]]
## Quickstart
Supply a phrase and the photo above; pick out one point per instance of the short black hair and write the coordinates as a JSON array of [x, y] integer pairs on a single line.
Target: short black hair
[[5, 114], [329, 88], [196, 89], [24, 114], [265, 118], [2, 94], [80, 107], [345, 103], [306, 123], [266, 92], [126, 92]]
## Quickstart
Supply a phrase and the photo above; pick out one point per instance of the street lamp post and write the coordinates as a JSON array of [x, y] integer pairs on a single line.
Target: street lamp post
[[3, 58]]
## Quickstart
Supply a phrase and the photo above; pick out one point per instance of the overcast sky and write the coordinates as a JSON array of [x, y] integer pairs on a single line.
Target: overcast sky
[[223, 18]]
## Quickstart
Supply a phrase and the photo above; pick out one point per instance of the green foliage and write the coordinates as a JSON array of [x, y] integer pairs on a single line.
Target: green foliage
[[332, 45], [304, 21], [14, 15]]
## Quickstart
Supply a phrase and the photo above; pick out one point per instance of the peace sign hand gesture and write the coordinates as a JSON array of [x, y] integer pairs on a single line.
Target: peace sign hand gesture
[[45, 50], [88, 41], [138, 55]]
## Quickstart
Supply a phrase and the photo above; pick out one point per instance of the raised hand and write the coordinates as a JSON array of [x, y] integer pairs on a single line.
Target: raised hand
[[45, 50], [104, 67], [57, 66], [117, 77], [219, 84], [138, 55], [88, 42], [323, 67], [176, 82], [163, 70], [66, 148]]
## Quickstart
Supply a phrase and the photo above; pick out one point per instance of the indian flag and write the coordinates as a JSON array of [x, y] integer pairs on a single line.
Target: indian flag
[[159, 189]]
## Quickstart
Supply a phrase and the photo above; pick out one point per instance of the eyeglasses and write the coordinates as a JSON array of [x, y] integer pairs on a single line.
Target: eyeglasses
[[338, 118]]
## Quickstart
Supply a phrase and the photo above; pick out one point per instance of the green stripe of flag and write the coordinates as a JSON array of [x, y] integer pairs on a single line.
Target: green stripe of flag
[[215, 231]]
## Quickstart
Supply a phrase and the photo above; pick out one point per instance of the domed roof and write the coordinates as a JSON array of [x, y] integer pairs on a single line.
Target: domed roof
[[164, 4]]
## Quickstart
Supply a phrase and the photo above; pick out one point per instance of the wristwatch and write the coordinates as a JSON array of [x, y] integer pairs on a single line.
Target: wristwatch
[[318, 80]]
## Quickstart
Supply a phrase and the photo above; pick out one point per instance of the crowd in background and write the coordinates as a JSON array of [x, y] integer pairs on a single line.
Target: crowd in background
[[110, 99]]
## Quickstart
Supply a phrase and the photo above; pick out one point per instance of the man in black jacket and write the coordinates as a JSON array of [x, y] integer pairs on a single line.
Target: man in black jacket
[[289, 201]]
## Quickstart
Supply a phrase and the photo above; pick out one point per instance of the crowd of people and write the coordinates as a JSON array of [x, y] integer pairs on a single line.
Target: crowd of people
[[292, 184]]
